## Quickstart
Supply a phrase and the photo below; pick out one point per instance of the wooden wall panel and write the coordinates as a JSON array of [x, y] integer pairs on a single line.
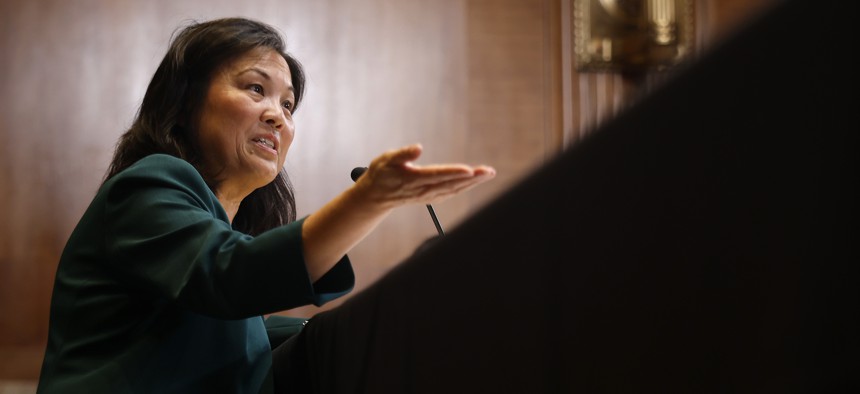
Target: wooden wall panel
[[514, 87]]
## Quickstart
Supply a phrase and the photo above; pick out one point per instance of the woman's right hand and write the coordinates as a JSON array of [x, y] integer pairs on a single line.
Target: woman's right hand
[[392, 179]]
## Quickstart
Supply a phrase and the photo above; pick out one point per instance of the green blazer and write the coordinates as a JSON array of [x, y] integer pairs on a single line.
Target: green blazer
[[156, 293]]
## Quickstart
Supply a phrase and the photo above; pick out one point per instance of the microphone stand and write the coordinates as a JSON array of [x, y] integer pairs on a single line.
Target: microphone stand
[[435, 219]]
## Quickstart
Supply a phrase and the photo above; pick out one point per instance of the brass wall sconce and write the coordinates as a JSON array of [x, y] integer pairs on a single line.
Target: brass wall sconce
[[631, 35]]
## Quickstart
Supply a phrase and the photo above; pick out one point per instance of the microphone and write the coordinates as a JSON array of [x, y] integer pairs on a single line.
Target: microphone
[[358, 171]]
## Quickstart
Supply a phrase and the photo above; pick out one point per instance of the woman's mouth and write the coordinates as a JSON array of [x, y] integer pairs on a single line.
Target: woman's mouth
[[266, 142]]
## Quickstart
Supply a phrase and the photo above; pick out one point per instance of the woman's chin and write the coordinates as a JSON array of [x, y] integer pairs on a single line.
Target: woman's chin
[[267, 174]]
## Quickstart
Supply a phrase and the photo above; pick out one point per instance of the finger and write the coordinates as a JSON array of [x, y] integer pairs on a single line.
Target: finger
[[423, 179], [452, 187], [466, 186], [448, 180], [403, 155], [438, 169], [485, 171]]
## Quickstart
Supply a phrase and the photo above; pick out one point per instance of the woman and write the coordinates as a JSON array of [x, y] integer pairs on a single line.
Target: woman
[[192, 237]]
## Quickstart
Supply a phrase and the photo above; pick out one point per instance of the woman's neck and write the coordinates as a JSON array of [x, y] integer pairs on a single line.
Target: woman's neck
[[230, 202]]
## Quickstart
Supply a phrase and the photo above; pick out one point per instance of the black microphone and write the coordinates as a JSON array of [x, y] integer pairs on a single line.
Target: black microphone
[[357, 171]]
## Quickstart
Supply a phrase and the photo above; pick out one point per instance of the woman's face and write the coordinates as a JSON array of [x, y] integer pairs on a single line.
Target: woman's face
[[245, 124]]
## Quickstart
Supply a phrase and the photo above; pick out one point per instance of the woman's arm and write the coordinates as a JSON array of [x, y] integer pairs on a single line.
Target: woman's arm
[[391, 180]]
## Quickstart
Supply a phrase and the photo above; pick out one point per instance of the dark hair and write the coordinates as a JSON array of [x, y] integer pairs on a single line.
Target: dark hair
[[165, 120]]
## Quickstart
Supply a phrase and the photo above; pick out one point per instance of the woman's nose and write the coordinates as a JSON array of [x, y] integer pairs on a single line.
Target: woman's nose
[[274, 116], [274, 123]]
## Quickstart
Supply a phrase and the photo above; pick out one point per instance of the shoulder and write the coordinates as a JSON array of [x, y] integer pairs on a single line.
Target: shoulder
[[161, 165], [161, 168], [163, 175]]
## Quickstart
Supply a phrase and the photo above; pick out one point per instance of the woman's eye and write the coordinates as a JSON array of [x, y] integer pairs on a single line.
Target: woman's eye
[[288, 106], [257, 88]]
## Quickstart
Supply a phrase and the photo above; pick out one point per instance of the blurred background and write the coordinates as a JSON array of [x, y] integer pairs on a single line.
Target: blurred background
[[475, 81]]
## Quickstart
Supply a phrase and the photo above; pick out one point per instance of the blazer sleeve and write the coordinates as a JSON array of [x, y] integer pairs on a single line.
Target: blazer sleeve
[[166, 234]]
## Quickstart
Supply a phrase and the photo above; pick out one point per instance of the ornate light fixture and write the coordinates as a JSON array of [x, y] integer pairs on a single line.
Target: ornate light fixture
[[631, 35]]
